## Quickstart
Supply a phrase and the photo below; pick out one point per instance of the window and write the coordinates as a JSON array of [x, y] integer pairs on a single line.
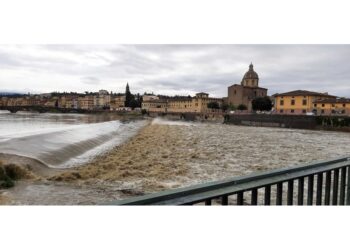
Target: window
[[304, 111], [322, 104], [333, 111], [343, 111], [315, 105], [292, 102], [304, 102], [292, 110], [281, 110], [333, 105], [322, 111], [234, 92], [344, 105], [281, 102]]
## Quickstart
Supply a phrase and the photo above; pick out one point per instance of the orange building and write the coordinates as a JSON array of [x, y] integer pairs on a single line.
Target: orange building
[[298, 101], [339, 106]]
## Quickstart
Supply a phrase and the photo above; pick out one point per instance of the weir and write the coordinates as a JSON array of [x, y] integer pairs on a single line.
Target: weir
[[317, 183]]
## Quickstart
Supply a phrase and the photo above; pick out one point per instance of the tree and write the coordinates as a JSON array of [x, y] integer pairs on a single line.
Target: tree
[[232, 107], [213, 105], [262, 104], [134, 104], [128, 96], [225, 106], [242, 107]]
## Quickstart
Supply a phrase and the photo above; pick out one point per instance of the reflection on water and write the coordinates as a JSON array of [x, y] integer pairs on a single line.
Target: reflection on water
[[62, 140]]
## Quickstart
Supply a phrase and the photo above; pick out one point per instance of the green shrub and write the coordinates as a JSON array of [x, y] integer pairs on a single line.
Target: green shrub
[[5, 180]]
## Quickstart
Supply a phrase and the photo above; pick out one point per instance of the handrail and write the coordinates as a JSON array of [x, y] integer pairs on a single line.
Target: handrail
[[203, 192]]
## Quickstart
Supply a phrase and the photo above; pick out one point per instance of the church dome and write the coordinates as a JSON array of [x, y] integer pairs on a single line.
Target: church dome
[[251, 74], [250, 78]]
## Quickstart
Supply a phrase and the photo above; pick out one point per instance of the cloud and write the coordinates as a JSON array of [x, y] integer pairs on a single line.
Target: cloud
[[90, 80], [173, 69]]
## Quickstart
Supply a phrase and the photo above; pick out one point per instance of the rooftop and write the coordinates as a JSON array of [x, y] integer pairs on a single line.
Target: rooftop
[[303, 93], [338, 100]]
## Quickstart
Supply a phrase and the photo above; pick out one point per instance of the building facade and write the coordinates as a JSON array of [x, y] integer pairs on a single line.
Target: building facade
[[117, 102], [247, 91], [339, 106], [197, 104], [299, 101]]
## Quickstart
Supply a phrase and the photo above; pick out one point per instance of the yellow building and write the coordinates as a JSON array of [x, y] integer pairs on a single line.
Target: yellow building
[[340, 106], [196, 104], [71, 102], [117, 102], [3, 101], [86, 102], [155, 105], [298, 101]]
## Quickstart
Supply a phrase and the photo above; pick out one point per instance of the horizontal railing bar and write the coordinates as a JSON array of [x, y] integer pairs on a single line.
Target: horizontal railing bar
[[201, 192]]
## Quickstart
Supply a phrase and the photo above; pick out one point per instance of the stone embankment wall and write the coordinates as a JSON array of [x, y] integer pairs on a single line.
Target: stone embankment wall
[[336, 123]]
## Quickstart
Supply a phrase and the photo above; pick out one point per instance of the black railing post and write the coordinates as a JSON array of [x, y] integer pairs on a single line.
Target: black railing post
[[319, 189], [328, 188], [267, 195], [279, 194], [224, 200], [348, 188], [290, 192], [240, 198], [310, 190], [254, 200], [301, 191]]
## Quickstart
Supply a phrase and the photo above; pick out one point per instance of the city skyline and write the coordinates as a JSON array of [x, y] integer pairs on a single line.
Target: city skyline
[[172, 69]]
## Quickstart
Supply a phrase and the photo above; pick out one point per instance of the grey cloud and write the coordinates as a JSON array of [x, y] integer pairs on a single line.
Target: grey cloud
[[90, 80], [180, 68]]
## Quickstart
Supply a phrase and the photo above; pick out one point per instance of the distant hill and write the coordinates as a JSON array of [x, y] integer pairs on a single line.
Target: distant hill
[[11, 94]]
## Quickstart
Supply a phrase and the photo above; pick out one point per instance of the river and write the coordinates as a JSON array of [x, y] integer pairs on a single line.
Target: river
[[163, 155]]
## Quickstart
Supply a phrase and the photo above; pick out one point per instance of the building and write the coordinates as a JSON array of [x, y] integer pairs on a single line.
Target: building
[[102, 100], [71, 102], [298, 101], [117, 102], [148, 97], [332, 106], [248, 90], [183, 104], [155, 105], [86, 102]]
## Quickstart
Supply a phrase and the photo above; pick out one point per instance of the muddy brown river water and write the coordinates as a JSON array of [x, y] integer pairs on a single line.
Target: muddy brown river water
[[168, 154]]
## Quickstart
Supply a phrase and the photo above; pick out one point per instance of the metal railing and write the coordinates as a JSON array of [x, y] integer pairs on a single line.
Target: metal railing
[[318, 183]]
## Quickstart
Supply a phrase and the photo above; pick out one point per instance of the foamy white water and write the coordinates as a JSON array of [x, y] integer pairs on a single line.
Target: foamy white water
[[62, 140]]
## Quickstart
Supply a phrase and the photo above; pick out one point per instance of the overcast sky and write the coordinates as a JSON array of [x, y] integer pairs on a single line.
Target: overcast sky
[[173, 69]]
